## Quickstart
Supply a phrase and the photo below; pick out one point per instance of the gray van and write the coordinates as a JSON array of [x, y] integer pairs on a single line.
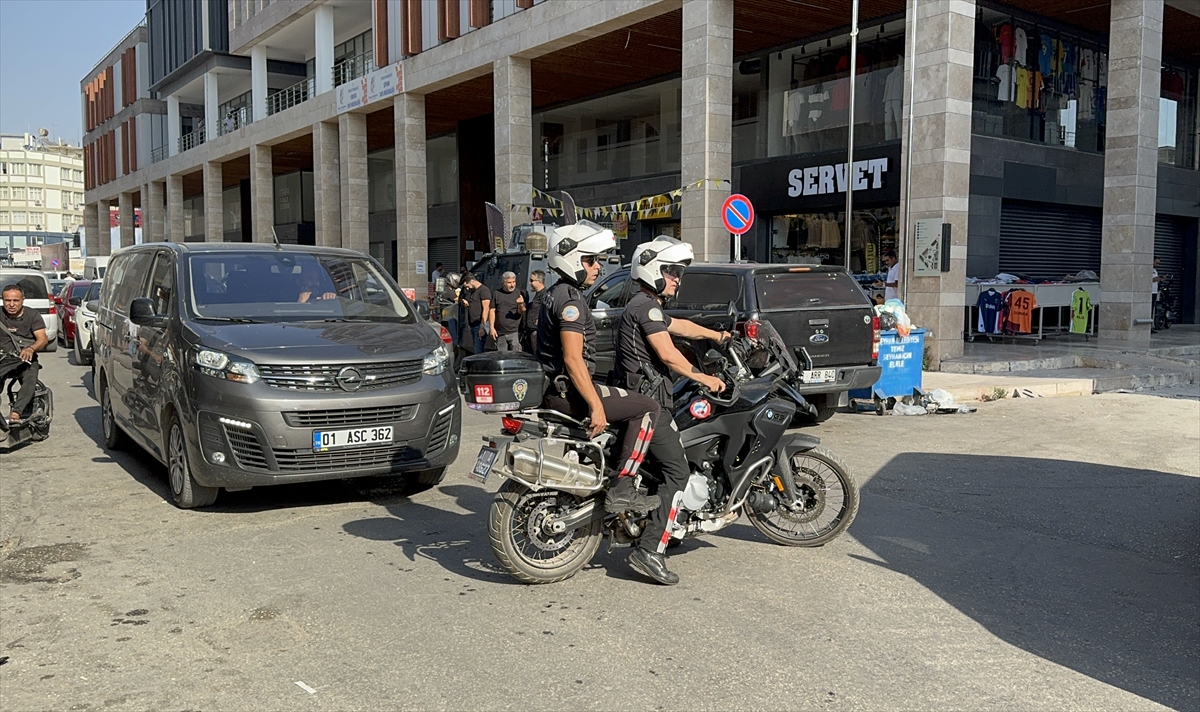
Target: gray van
[[242, 365]]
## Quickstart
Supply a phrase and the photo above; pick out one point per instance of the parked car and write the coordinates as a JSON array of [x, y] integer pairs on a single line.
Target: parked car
[[37, 296], [69, 301], [85, 323], [57, 285], [820, 312], [246, 365]]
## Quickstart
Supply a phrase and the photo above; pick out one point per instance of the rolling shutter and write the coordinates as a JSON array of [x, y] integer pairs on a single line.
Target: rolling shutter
[[1168, 246], [445, 250], [1047, 241]]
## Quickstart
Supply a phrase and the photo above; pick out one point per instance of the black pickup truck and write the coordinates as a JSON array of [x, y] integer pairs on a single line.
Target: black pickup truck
[[820, 312]]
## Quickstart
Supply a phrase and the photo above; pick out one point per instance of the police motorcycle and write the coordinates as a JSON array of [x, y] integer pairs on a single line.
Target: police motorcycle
[[547, 520], [35, 421]]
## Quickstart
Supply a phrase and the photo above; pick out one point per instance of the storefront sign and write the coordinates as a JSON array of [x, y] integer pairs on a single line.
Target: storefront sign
[[817, 182], [380, 84]]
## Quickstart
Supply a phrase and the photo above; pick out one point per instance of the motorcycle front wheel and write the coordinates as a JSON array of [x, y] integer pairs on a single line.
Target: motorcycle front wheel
[[828, 502], [525, 549]]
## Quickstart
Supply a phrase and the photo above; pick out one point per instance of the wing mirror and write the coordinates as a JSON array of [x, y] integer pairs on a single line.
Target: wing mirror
[[712, 357], [141, 312], [75, 301], [422, 307]]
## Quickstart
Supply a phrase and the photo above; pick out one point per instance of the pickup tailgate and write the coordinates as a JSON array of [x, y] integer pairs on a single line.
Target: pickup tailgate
[[823, 312]]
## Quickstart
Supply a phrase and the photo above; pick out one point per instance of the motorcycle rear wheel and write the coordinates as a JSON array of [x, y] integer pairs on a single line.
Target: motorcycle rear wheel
[[829, 497], [524, 549]]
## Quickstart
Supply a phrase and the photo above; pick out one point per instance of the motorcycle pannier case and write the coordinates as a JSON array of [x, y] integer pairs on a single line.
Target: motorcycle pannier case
[[501, 381]]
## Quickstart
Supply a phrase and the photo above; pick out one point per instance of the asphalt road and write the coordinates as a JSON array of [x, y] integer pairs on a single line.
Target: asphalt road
[[1038, 554]]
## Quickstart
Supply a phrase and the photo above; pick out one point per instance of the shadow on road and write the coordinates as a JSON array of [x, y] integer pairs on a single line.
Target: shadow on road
[[1089, 566]]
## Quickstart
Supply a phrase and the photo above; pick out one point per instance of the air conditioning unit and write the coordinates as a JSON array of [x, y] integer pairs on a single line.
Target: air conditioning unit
[[37, 203]]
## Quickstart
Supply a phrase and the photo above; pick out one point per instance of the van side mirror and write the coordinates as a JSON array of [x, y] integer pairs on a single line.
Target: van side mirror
[[141, 312], [422, 308]]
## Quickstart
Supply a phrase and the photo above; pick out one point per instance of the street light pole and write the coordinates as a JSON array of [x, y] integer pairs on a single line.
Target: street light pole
[[850, 133]]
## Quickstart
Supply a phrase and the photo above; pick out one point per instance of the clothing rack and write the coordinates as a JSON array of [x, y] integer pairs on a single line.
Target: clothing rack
[[1054, 299]]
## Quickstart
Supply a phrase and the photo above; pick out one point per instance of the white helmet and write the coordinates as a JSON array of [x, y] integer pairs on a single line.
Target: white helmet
[[570, 243], [652, 259]]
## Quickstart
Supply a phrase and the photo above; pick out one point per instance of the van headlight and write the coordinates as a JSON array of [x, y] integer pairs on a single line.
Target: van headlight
[[222, 365], [436, 361]]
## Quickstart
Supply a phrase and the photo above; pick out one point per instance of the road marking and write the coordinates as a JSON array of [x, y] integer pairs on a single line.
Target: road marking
[[306, 688]]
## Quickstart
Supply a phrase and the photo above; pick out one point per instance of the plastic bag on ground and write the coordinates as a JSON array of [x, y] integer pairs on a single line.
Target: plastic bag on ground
[[906, 409]]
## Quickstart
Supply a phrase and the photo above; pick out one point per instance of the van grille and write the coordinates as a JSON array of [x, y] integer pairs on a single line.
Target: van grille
[[349, 416], [440, 433], [380, 457], [246, 448], [324, 378]]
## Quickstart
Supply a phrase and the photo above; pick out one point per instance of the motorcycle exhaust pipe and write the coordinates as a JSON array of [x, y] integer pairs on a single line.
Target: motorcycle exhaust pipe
[[552, 469]]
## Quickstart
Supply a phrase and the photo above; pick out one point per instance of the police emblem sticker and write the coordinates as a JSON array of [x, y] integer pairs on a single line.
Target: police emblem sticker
[[700, 409], [520, 388], [655, 314], [571, 313]]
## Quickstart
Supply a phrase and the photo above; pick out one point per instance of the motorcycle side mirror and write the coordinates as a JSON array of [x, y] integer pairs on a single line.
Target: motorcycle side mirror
[[711, 357]]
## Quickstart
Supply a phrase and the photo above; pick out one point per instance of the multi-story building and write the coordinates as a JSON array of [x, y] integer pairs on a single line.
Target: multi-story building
[[1032, 137], [41, 190]]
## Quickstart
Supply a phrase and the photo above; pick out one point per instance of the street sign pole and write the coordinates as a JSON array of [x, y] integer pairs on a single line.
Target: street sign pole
[[737, 213]]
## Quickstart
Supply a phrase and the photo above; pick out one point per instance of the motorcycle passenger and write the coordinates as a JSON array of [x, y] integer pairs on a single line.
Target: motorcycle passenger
[[645, 359], [24, 335], [566, 340]]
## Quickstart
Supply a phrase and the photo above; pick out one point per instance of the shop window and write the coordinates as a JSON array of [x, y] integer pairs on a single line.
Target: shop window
[[441, 160], [1176, 116], [819, 238], [1034, 82], [381, 181]]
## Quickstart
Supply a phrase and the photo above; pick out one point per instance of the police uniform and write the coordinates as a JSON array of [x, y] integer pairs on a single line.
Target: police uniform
[[639, 369], [564, 309]]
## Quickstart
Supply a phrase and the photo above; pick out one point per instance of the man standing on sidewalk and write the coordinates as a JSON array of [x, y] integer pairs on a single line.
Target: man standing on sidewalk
[[508, 308], [478, 301]]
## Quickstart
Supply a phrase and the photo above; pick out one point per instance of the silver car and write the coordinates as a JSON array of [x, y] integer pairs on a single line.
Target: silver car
[[243, 365], [38, 295]]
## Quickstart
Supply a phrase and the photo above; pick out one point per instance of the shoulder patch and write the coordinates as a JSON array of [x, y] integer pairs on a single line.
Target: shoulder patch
[[655, 314], [571, 313]]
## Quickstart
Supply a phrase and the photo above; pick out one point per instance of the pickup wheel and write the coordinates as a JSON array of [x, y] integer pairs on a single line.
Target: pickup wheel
[[825, 411]]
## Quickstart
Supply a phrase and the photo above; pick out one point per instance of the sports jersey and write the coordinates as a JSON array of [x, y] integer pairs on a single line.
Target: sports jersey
[[643, 318], [1081, 309], [564, 309], [1046, 54], [1019, 306], [991, 305]]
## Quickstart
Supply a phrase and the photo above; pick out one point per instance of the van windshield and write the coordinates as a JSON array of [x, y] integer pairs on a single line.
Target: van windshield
[[290, 286]]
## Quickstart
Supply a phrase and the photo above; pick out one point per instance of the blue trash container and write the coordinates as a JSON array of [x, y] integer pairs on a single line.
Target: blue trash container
[[901, 359]]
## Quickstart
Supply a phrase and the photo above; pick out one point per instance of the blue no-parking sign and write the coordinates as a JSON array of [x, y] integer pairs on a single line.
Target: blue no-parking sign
[[738, 214]]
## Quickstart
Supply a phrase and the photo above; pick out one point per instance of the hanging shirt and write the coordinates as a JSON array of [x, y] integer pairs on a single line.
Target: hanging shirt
[[1021, 47], [1046, 54], [1102, 70], [1005, 40], [1020, 305], [1005, 74], [1087, 64], [991, 305], [1060, 55], [1071, 61], [1022, 88], [1081, 309], [1087, 106], [1036, 86]]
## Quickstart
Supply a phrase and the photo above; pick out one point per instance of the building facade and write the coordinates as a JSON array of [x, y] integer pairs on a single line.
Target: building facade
[[1034, 138], [41, 191]]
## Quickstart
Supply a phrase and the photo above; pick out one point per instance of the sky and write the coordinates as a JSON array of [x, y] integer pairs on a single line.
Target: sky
[[46, 48]]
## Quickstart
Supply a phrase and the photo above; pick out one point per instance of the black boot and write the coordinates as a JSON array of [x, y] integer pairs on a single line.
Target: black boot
[[624, 497], [653, 565]]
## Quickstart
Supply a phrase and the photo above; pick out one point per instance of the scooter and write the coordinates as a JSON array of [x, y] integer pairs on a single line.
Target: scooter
[[35, 421], [1164, 314]]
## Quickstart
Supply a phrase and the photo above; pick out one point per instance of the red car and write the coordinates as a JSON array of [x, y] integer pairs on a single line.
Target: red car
[[69, 300]]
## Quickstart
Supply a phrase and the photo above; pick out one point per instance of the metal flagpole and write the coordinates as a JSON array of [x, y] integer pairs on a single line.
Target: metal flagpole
[[850, 134]]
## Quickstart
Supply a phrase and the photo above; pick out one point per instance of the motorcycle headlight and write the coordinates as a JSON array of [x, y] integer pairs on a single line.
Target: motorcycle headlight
[[222, 365], [436, 361]]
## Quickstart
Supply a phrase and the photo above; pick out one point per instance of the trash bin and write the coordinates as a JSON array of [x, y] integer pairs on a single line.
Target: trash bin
[[901, 358]]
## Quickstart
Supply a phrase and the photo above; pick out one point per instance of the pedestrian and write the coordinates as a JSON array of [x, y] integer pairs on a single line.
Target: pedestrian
[[891, 283], [507, 314], [533, 308], [437, 273], [1154, 280], [478, 301]]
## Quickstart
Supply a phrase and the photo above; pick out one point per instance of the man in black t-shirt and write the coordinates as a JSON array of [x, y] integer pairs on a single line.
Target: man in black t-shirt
[[24, 335], [478, 301], [533, 308], [508, 309]]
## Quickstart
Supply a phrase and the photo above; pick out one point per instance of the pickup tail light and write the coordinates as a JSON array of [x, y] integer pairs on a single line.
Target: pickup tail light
[[445, 334], [511, 426], [749, 329], [53, 309], [875, 337]]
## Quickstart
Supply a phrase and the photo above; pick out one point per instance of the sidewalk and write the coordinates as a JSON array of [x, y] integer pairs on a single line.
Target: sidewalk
[[1065, 366]]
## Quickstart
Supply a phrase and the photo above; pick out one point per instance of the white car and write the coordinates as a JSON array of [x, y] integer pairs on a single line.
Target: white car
[[84, 319], [38, 295]]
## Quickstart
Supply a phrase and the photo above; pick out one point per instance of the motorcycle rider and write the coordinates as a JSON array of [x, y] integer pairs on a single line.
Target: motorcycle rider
[[24, 335], [566, 340], [645, 358]]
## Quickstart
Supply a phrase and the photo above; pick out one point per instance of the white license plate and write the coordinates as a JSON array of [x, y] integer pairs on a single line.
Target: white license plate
[[483, 464], [824, 375], [355, 437]]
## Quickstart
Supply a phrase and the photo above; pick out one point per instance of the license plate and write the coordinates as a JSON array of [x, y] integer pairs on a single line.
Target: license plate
[[355, 437], [483, 464], [824, 375]]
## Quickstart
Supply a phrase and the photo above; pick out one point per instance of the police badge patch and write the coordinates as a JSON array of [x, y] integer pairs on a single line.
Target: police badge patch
[[655, 314], [520, 388], [571, 313]]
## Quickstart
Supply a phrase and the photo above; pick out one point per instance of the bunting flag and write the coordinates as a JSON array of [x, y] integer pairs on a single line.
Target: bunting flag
[[661, 205]]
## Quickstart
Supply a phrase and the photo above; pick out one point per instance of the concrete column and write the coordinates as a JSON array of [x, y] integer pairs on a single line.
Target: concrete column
[[323, 61], [512, 91], [327, 191], [175, 222], [212, 120], [706, 124], [262, 194], [153, 211], [1130, 169], [412, 211], [104, 228], [91, 230], [125, 217], [941, 164], [214, 229], [173, 127], [258, 82], [352, 145]]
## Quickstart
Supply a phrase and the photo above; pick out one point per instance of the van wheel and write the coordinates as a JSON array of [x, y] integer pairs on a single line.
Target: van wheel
[[415, 482], [186, 492], [114, 439], [52, 346]]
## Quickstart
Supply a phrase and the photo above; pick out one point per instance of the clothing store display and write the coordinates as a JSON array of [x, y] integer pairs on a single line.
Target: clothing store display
[[1022, 90], [991, 306], [893, 101], [1005, 39], [1021, 47], [1087, 64], [1102, 70], [1081, 310], [1045, 54], [1005, 74], [1018, 311]]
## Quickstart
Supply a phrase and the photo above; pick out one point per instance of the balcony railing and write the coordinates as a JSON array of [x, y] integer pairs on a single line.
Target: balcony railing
[[193, 139], [351, 68], [234, 120], [297, 93], [158, 154]]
